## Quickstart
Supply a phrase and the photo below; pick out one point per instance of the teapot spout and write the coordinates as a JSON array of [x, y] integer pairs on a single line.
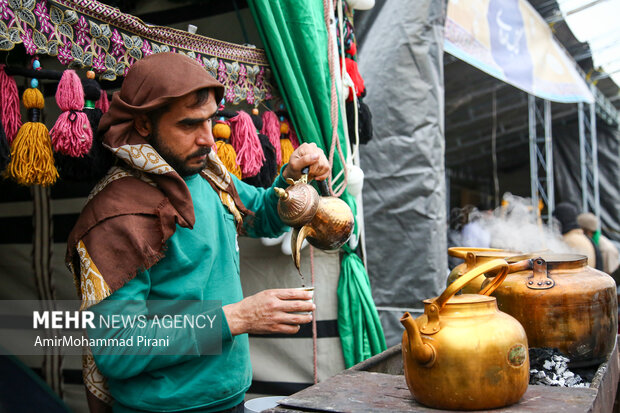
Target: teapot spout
[[424, 353]]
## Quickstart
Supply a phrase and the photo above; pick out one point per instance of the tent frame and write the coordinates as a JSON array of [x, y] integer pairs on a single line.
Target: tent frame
[[541, 156]]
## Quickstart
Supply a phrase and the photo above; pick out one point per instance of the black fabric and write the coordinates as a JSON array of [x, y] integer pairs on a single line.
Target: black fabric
[[5, 150], [567, 174], [566, 213], [92, 166], [364, 122]]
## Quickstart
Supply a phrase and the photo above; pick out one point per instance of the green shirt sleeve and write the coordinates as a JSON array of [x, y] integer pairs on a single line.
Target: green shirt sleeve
[[264, 203], [133, 319]]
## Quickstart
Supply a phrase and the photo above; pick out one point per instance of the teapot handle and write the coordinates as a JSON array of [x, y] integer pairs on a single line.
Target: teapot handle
[[457, 285], [323, 187]]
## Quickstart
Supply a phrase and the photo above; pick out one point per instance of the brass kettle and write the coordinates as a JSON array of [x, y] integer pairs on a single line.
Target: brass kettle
[[463, 353], [562, 303], [325, 221]]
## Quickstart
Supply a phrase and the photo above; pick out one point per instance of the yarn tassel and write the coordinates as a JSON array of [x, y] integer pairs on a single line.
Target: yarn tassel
[[32, 159], [9, 105], [5, 150], [285, 143], [244, 139], [92, 166], [225, 151], [72, 134], [268, 171], [292, 135], [271, 128], [103, 103]]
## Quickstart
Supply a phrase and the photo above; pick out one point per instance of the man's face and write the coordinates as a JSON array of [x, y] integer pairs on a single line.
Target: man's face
[[183, 134]]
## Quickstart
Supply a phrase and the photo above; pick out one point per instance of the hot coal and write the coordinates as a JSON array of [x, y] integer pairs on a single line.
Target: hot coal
[[548, 366]]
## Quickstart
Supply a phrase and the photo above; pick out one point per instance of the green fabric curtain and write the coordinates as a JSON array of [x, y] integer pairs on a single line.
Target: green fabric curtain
[[295, 39], [358, 321]]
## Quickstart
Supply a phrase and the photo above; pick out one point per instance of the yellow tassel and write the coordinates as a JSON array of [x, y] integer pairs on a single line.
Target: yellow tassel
[[228, 156], [32, 158], [221, 130], [33, 98], [287, 150]]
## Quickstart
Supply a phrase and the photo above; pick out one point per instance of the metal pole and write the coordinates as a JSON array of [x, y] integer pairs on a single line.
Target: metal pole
[[582, 157], [593, 134], [549, 162], [531, 112]]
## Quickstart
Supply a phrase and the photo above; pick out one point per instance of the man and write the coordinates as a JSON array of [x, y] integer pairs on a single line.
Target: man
[[609, 253], [572, 234], [163, 226]]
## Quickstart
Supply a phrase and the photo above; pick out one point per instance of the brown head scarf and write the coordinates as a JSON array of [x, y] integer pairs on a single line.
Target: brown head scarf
[[135, 208]]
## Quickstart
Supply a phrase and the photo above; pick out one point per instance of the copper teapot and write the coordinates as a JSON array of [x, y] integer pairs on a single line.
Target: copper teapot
[[463, 353], [325, 221]]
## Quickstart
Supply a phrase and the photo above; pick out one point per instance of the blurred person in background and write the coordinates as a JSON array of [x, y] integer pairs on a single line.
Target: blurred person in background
[[609, 253], [573, 235]]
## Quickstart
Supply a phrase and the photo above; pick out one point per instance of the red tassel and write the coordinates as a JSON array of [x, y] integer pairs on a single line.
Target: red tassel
[[9, 105], [244, 139], [72, 134], [103, 103], [354, 73]]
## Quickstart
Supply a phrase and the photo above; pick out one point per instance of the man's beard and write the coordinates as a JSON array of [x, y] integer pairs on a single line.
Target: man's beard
[[177, 163]]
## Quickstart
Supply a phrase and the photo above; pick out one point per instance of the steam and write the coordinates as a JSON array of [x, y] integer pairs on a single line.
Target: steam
[[516, 226]]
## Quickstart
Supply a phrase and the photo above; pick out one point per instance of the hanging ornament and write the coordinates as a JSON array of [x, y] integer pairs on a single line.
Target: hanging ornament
[[72, 134], [271, 128], [93, 165], [9, 105], [225, 151], [285, 143], [32, 159], [245, 140], [268, 171]]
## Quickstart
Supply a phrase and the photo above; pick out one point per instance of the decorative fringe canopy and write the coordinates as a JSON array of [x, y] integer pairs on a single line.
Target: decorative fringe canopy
[[72, 134]]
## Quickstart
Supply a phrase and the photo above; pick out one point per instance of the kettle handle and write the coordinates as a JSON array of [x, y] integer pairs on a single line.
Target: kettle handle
[[460, 282], [461, 252]]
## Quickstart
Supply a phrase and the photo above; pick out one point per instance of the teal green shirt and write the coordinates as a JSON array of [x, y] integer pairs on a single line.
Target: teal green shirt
[[199, 264]]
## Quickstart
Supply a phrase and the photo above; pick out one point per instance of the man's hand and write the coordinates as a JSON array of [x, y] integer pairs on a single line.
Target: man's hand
[[269, 311], [307, 154]]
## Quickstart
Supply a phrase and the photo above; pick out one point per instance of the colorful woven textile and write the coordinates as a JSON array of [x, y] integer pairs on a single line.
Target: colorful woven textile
[[86, 33]]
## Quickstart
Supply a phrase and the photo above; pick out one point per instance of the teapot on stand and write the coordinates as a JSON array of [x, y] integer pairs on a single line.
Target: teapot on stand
[[325, 221]]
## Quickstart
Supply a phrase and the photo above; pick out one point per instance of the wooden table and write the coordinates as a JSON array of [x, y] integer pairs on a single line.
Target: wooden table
[[378, 385]]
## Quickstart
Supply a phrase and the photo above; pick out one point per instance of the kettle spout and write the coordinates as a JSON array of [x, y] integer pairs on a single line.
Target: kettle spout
[[281, 193], [424, 353]]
